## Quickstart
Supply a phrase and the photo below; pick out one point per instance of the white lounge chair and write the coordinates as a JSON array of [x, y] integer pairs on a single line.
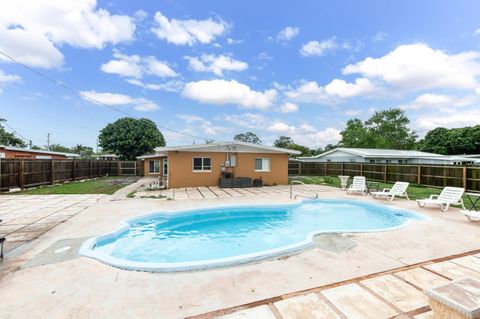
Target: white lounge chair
[[448, 196], [398, 189], [472, 215], [359, 185]]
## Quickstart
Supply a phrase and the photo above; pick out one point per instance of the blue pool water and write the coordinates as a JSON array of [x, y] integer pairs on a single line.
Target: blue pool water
[[230, 233]]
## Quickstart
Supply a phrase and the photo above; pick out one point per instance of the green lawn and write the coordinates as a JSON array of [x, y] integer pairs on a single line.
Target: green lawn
[[101, 185], [414, 191]]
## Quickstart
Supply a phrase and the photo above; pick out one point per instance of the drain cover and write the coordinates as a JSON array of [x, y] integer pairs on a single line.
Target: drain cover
[[334, 242]]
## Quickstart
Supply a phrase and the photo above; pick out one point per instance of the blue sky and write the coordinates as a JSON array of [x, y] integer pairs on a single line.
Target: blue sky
[[217, 68]]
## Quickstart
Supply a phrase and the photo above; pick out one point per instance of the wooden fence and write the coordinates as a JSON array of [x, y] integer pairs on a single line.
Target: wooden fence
[[467, 177], [30, 173]]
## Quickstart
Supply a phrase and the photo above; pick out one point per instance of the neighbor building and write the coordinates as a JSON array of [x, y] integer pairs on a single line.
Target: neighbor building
[[387, 156], [205, 164], [10, 152]]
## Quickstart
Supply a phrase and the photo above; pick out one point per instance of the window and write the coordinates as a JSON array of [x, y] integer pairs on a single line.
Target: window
[[232, 160], [165, 167], [262, 165], [154, 166], [202, 164]]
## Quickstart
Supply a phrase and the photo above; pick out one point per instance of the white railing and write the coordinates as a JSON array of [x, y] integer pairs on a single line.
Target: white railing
[[301, 183]]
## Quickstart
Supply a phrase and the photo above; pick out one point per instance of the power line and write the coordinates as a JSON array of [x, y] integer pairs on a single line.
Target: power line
[[15, 131], [91, 99]]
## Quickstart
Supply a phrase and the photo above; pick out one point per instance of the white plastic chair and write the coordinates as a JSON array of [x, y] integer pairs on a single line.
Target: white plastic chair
[[398, 189], [448, 196], [359, 185]]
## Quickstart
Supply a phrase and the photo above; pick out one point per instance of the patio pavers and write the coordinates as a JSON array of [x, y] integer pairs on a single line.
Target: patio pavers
[[421, 278], [26, 217], [356, 302], [307, 306], [452, 270], [262, 312], [397, 292]]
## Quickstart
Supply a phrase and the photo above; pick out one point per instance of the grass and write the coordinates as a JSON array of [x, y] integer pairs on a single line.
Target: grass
[[101, 185], [414, 191]]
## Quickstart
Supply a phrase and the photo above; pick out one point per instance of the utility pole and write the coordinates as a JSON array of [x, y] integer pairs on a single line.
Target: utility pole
[[30, 144], [48, 141]]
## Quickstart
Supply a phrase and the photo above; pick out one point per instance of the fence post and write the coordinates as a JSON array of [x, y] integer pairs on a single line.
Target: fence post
[[361, 169], [385, 173], [325, 169], [21, 174], [89, 169], [74, 170], [419, 174], [52, 171], [465, 177], [118, 169], [343, 168], [300, 168]]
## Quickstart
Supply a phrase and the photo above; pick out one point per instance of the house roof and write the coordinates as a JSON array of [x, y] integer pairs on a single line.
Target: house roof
[[377, 152], [19, 149], [234, 146], [390, 153]]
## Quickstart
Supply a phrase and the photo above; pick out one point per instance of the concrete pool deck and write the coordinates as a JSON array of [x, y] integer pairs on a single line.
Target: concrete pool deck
[[80, 287]]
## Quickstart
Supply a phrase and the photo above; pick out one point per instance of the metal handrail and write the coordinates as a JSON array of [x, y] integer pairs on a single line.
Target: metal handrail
[[302, 183]]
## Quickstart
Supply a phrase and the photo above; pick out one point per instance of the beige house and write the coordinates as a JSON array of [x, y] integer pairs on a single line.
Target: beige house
[[214, 164]]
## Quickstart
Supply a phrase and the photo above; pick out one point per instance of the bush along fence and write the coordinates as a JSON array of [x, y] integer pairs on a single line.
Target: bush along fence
[[31, 173], [467, 177]]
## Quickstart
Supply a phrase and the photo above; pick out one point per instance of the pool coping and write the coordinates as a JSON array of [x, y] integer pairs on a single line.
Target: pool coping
[[87, 248]]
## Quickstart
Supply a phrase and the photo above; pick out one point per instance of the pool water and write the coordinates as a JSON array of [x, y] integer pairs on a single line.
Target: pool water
[[227, 234]]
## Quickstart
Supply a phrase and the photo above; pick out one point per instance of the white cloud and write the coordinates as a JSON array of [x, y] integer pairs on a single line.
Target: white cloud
[[206, 126], [188, 32], [441, 102], [477, 31], [417, 66], [221, 92], [33, 32], [312, 92], [353, 112], [169, 86], [233, 41], [454, 120], [477, 90], [5, 78], [306, 134], [216, 64], [319, 48], [341, 89], [116, 99], [288, 33], [379, 36], [288, 107], [135, 66]]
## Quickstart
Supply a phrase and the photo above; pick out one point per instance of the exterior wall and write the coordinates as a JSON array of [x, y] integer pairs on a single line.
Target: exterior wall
[[146, 164], [181, 168], [9, 154]]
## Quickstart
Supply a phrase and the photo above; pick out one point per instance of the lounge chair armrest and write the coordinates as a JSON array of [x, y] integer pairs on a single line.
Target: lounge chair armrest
[[386, 190], [433, 197]]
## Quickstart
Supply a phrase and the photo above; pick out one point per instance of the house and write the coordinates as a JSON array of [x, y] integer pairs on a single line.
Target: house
[[10, 152], [204, 164], [386, 156]]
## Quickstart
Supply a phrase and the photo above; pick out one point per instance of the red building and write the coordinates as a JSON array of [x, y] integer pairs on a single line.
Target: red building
[[10, 152]]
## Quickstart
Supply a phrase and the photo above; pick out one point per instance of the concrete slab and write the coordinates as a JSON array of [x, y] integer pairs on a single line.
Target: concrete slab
[[421, 278], [397, 292], [469, 262], [425, 315], [356, 302], [306, 306], [334, 242], [262, 312]]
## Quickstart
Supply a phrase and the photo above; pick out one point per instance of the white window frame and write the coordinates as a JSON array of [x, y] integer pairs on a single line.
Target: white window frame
[[263, 169], [158, 166], [202, 170]]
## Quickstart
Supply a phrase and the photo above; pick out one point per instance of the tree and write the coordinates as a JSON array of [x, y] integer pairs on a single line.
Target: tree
[[82, 150], [248, 137], [283, 142], [385, 129], [129, 138], [465, 140], [59, 148], [9, 139]]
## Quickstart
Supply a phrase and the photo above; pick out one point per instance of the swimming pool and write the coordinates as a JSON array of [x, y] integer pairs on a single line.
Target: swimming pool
[[221, 236]]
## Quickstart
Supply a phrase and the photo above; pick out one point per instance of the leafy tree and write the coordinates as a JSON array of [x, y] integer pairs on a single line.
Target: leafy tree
[[329, 147], [9, 139], [84, 151], [283, 142], [385, 129], [129, 138], [248, 137], [465, 140], [59, 148], [305, 151]]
